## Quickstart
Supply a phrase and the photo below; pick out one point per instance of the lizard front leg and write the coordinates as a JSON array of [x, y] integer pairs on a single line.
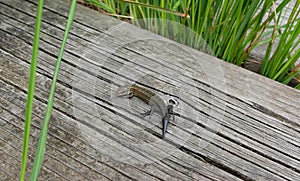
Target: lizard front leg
[[147, 113]]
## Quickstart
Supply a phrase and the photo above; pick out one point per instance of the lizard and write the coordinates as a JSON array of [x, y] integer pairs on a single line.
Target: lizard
[[152, 99]]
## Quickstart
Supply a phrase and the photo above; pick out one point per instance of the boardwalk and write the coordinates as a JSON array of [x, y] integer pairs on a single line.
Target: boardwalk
[[234, 124]]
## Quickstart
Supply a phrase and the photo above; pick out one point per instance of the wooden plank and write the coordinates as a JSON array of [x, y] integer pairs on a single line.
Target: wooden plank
[[237, 134], [63, 129]]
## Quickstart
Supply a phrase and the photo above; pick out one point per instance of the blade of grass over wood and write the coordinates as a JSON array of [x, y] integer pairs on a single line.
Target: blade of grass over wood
[[43, 135], [31, 85]]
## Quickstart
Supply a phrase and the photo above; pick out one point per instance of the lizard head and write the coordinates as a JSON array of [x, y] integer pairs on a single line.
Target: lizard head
[[124, 90]]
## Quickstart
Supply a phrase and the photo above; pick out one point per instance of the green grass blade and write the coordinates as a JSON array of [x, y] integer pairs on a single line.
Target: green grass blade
[[31, 86], [43, 135], [284, 69], [289, 77]]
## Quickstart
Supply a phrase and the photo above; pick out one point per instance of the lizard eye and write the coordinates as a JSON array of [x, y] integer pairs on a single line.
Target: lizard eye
[[130, 94]]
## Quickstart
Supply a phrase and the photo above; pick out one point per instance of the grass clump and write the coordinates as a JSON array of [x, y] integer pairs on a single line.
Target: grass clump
[[231, 29]]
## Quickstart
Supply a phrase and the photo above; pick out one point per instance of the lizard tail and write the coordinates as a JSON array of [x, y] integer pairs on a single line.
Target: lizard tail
[[165, 123]]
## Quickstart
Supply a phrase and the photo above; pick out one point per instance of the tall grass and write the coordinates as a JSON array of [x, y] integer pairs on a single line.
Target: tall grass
[[44, 131], [232, 29], [280, 65], [31, 85]]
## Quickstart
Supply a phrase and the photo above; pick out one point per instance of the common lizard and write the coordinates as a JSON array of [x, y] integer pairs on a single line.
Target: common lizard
[[152, 99]]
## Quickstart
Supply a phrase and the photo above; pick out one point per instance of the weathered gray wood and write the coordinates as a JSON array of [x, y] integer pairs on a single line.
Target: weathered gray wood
[[236, 125]]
